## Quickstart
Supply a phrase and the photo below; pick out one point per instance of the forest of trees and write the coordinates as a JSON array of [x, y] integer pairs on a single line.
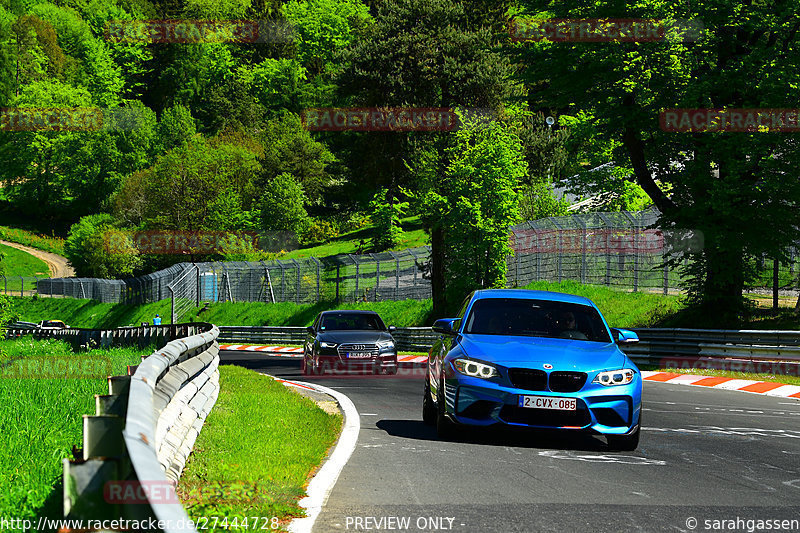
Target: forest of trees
[[209, 135]]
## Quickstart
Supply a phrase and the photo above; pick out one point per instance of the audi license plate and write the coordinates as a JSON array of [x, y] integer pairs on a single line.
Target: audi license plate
[[359, 355], [548, 402]]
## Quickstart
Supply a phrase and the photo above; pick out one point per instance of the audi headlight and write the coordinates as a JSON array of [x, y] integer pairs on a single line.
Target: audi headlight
[[474, 369], [615, 377], [386, 345], [323, 344]]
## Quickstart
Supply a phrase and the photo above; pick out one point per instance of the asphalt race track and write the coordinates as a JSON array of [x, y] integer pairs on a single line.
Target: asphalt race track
[[709, 460]]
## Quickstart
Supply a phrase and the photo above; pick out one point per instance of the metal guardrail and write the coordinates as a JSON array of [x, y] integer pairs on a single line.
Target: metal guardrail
[[408, 339], [140, 336], [143, 431], [655, 343]]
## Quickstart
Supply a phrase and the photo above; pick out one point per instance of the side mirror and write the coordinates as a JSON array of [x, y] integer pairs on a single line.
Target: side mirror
[[310, 330], [444, 326], [392, 329], [624, 336]]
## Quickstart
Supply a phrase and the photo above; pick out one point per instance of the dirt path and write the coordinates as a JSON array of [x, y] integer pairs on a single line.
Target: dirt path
[[58, 265]]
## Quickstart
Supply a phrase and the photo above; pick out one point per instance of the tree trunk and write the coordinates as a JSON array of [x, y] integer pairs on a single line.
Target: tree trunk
[[724, 282], [437, 272]]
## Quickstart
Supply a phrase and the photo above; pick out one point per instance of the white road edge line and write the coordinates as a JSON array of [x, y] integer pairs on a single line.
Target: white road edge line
[[321, 485]]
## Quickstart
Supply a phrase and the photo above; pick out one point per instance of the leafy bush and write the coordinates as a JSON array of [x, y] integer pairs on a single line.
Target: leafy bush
[[283, 205], [386, 217], [95, 248]]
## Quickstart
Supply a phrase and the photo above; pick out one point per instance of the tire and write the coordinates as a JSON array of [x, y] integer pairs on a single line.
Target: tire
[[625, 443], [304, 367], [429, 413], [445, 428]]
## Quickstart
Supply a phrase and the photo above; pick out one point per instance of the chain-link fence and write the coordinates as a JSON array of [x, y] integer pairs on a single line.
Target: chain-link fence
[[617, 249]]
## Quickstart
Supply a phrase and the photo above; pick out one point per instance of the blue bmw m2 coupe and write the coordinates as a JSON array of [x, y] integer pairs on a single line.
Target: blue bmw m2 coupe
[[533, 359]]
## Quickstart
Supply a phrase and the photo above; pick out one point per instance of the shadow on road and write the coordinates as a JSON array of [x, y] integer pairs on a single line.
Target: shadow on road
[[522, 438]]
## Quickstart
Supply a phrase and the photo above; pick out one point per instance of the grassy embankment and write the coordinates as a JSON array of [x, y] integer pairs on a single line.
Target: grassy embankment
[[349, 243], [622, 309], [41, 419], [265, 473], [34, 240], [19, 263]]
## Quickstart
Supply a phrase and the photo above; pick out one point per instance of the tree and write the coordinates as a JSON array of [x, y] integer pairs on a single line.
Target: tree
[[429, 53], [323, 28], [282, 205], [176, 127], [386, 215], [719, 183], [289, 148], [182, 188], [476, 200], [96, 249]]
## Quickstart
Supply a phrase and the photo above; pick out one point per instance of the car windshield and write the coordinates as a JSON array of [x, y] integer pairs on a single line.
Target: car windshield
[[348, 321], [53, 324], [536, 318]]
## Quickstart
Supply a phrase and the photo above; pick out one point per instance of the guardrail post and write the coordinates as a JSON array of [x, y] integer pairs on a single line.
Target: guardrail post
[[283, 280], [319, 273], [338, 277], [297, 287], [377, 275]]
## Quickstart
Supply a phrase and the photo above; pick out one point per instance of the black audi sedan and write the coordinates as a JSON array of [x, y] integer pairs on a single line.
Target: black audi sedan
[[349, 340]]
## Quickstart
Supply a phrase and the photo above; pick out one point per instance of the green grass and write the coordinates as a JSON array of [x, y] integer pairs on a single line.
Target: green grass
[[19, 263], [34, 240], [89, 313], [621, 309], [777, 378], [40, 421], [93, 314], [266, 471], [404, 313], [349, 243]]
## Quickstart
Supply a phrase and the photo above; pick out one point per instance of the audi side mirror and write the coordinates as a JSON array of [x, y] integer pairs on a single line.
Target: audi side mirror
[[444, 326]]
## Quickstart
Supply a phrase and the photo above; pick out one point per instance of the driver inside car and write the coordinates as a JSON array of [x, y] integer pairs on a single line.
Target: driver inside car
[[569, 327]]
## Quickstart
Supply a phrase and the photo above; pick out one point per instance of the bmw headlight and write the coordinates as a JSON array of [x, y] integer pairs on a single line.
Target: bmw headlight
[[386, 345], [474, 369], [615, 377], [324, 344]]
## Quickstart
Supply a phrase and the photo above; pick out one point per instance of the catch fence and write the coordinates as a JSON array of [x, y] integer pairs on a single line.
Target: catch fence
[[616, 249]]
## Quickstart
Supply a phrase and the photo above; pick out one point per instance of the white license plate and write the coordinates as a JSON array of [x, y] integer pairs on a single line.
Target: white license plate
[[548, 402], [359, 355]]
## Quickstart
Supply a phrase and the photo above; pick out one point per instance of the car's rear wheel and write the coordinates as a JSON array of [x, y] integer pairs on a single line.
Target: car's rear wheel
[[428, 409], [445, 428], [625, 443]]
